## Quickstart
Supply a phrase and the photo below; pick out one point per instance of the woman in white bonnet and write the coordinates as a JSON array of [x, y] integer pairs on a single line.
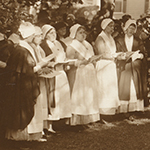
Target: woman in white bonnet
[[82, 79], [130, 80], [41, 108], [106, 69], [22, 88], [60, 91]]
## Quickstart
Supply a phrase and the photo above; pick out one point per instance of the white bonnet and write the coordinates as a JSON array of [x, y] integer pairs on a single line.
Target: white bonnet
[[26, 29], [2, 36], [128, 23], [45, 29], [105, 23], [38, 30], [73, 30]]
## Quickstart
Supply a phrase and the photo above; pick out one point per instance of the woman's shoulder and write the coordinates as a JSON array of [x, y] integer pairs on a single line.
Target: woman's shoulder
[[119, 38]]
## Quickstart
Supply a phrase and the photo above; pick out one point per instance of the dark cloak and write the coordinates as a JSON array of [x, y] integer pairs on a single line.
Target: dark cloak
[[22, 89], [128, 69]]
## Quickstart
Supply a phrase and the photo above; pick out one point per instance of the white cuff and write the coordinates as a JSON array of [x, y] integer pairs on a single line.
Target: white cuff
[[37, 68]]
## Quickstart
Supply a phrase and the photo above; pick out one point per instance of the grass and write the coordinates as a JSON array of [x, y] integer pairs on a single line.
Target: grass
[[115, 133]]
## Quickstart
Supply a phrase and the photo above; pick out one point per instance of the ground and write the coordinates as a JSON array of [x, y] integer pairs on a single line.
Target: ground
[[115, 133]]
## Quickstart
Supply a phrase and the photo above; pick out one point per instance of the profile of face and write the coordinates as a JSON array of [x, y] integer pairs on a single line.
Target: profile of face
[[131, 30], [51, 35], [110, 28], [30, 38], [81, 34], [37, 39]]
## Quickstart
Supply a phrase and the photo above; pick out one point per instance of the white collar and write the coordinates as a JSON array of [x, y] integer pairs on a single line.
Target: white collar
[[85, 49], [28, 47]]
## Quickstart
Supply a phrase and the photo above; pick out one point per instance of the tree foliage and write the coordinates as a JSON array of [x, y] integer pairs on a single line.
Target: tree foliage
[[13, 11]]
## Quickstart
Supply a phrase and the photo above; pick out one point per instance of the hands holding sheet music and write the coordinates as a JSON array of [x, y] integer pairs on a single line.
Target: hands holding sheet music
[[130, 55], [137, 55]]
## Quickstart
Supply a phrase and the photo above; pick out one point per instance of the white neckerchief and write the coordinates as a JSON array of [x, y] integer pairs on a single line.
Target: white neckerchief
[[110, 43], [84, 49], [29, 48], [57, 50], [129, 42]]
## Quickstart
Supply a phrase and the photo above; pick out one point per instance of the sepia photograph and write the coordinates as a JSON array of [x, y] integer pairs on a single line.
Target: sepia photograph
[[74, 74]]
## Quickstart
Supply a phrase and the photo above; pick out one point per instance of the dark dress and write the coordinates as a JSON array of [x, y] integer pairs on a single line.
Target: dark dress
[[22, 89], [128, 70], [5, 51]]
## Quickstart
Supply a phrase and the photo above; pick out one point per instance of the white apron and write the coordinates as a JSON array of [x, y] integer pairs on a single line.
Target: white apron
[[107, 79], [62, 90]]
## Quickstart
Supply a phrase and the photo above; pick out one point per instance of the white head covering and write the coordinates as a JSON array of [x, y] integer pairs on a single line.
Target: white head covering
[[73, 30], [26, 29], [2, 36], [45, 29], [128, 23], [105, 23], [38, 30]]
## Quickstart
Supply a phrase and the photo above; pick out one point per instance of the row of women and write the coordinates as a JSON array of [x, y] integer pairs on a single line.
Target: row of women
[[43, 82]]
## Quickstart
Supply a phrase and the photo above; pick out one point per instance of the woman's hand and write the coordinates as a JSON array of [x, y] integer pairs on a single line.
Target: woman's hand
[[2, 64], [121, 56], [46, 70], [81, 62], [94, 58]]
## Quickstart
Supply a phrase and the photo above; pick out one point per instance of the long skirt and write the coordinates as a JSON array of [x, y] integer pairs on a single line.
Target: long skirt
[[107, 87], [130, 88], [34, 129], [84, 99], [62, 107]]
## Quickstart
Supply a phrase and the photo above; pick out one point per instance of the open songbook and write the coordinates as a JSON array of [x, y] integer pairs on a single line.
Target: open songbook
[[133, 55], [66, 61], [45, 60]]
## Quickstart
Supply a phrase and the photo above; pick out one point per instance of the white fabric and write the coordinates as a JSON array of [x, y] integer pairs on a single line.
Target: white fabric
[[85, 49], [26, 29], [110, 43], [29, 48], [38, 30], [14, 38], [36, 124], [105, 23], [129, 42], [2, 36], [107, 79], [84, 100], [40, 108], [73, 30], [62, 90]]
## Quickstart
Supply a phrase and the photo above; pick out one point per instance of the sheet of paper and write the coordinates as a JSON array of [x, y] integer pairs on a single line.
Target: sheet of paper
[[49, 57]]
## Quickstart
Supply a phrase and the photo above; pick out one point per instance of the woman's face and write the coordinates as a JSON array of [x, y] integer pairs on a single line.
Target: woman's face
[[130, 30], [81, 34], [37, 39], [110, 28], [51, 35], [62, 31], [30, 38]]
